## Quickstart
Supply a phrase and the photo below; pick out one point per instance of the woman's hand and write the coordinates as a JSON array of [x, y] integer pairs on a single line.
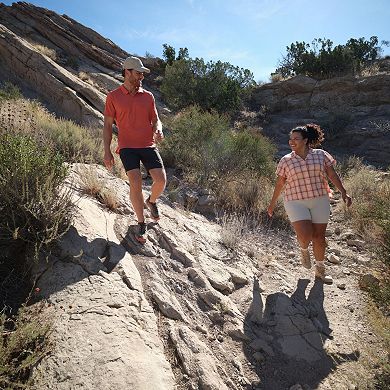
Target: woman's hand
[[346, 198]]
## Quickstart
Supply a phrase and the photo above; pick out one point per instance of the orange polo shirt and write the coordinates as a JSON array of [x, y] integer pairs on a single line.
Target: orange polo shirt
[[133, 115]]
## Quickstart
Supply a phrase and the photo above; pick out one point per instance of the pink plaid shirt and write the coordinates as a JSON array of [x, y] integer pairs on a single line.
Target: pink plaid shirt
[[305, 179]]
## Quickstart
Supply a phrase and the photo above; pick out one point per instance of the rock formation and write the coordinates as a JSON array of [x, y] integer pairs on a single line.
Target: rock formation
[[67, 65], [354, 111]]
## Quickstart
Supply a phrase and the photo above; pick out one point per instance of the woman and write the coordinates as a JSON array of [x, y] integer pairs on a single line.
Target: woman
[[304, 174]]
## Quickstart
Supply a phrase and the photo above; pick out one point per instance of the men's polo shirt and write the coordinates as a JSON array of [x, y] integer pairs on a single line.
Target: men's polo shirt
[[305, 178], [134, 115]]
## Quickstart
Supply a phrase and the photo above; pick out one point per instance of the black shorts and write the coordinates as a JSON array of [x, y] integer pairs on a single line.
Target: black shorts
[[131, 158]]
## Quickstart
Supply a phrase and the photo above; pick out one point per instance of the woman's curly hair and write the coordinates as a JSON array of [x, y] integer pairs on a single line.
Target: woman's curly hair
[[312, 132]]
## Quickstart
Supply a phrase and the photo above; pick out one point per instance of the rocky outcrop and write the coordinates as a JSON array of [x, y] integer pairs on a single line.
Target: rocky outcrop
[[354, 111], [52, 57]]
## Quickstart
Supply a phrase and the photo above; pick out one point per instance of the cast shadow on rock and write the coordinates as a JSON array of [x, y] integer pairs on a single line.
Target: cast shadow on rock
[[287, 338], [77, 257]]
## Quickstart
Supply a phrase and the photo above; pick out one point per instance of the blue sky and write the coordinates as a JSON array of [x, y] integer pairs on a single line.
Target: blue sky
[[252, 34]]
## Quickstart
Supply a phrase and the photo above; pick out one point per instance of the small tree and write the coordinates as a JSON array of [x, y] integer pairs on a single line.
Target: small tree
[[169, 54]]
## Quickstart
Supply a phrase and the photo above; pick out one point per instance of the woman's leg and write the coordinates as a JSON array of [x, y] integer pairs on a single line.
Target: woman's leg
[[318, 240], [304, 232]]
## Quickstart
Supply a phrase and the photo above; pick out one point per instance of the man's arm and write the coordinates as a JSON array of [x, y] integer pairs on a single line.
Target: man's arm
[[157, 129], [107, 137]]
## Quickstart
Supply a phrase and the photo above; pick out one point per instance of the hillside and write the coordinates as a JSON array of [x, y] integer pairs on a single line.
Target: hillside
[[77, 67], [207, 303]]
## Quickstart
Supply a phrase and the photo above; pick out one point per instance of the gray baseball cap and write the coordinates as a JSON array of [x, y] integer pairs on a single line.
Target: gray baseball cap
[[136, 64]]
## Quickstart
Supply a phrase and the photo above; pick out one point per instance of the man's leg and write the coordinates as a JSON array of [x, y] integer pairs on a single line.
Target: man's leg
[[136, 196], [159, 181]]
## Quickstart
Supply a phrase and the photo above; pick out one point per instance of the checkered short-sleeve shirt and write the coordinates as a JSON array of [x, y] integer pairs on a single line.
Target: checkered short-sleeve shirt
[[305, 179]]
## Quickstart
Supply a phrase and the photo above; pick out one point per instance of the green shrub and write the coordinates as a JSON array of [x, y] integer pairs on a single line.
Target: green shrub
[[237, 166], [75, 143], [34, 211], [9, 91]]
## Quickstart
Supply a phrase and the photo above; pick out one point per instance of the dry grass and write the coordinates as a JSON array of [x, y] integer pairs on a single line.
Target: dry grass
[[370, 213], [51, 53], [24, 342], [233, 229], [75, 143], [93, 185]]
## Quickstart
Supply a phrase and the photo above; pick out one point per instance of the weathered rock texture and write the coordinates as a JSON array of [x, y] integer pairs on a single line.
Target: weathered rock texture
[[185, 312], [73, 76], [354, 111]]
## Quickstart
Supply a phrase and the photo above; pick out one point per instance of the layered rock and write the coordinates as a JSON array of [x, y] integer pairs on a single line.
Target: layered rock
[[354, 111], [52, 57]]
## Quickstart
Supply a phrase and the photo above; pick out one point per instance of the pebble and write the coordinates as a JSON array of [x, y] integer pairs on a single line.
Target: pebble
[[347, 272], [220, 338], [291, 254], [341, 286], [332, 258]]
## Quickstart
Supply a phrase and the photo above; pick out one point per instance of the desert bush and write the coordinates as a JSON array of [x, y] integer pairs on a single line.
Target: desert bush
[[93, 185], [34, 211], [370, 214], [235, 165], [233, 229]]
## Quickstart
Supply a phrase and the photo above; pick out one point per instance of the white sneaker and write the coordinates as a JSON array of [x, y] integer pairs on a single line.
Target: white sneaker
[[305, 258]]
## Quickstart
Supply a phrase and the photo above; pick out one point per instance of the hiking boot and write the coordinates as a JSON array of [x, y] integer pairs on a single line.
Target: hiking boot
[[140, 234], [152, 207], [305, 258], [320, 273]]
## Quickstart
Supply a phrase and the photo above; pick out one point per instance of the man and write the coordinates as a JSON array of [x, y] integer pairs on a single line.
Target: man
[[134, 111]]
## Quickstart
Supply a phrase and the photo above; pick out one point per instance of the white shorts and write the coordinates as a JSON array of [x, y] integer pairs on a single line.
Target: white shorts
[[316, 210]]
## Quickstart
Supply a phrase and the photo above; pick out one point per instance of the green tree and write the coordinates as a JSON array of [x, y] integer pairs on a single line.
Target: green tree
[[183, 54], [216, 86], [169, 54], [321, 60]]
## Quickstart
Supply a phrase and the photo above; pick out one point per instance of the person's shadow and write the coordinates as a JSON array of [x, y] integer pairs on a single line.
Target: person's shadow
[[287, 338]]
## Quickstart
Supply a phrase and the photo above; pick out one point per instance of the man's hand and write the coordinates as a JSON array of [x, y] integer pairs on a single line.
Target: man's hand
[[108, 160], [158, 136]]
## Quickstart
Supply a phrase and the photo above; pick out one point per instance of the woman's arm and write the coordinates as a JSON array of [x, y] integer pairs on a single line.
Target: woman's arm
[[280, 182], [335, 179]]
